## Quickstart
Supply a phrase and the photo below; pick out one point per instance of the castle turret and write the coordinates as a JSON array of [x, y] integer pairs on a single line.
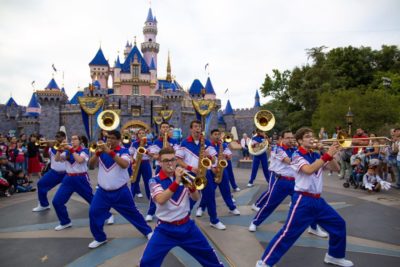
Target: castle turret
[[150, 47], [210, 93], [51, 100], [117, 71], [153, 74], [195, 89], [100, 69], [229, 116], [257, 100], [128, 48]]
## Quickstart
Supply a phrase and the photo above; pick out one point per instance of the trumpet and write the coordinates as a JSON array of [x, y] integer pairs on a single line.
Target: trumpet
[[190, 181], [44, 143], [94, 146], [227, 138], [126, 138]]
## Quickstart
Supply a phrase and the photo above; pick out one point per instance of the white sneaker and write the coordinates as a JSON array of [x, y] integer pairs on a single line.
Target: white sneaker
[[62, 227], [218, 225], [233, 200], [329, 174], [149, 235], [250, 185], [110, 220], [318, 232], [340, 262], [261, 264], [95, 244], [237, 189], [148, 218], [252, 227], [255, 208], [199, 212], [140, 195], [234, 212], [40, 208]]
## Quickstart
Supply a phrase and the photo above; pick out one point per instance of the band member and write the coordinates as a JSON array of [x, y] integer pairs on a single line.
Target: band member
[[144, 169], [229, 170], [307, 205], [76, 180], [224, 184], [188, 157], [283, 183], [258, 139], [113, 191], [53, 177], [175, 228], [159, 143]]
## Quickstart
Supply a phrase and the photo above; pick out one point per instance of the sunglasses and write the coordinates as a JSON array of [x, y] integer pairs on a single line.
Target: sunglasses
[[168, 160]]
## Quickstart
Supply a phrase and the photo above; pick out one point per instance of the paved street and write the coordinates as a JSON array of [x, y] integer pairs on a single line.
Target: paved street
[[373, 231]]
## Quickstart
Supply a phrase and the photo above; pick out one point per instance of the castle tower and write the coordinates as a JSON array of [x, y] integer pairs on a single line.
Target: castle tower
[[30, 119], [117, 72], [51, 100], [153, 75], [100, 69], [229, 116], [169, 76], [210, 93], [150, 47], [127, 50], [257, 100]]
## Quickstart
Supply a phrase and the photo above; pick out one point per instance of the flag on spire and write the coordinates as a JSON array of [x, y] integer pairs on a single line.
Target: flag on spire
[[54, 68]]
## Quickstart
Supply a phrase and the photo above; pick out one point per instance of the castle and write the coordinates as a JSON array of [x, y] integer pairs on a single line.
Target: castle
[[137, 93]]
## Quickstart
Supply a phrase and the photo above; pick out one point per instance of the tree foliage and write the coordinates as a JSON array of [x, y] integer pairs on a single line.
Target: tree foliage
[[320, 93]]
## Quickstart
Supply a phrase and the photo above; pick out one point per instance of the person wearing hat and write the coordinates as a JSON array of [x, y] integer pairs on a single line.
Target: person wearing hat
[[371, 180]]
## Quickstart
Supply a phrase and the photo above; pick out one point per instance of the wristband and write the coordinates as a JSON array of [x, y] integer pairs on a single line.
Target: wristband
[[326, 157], [71, 150], [98, 153], [189, 168], [112, 154], [174, 186], [192, 189]]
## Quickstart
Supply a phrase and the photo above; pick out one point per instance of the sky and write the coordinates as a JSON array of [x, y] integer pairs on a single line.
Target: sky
[[242, 41]]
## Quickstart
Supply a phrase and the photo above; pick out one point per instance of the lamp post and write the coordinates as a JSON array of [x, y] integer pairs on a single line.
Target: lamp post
[[349, 119]]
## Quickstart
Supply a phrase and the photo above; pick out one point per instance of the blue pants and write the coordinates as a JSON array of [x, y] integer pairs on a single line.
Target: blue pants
[[225, 192], [264, 196], [46, 183], [304, 211], [208, 196], [122, 201], [231, 176], [24, 189], [69, 185], [256, 163], [187, 236], [145, 172]]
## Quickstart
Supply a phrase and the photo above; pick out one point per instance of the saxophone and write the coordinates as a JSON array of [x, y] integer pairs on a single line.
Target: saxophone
[[204, 163], [139, 154], [222, 164], [165, 140]]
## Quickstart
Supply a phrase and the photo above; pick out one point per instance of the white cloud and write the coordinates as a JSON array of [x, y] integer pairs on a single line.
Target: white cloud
[[242, 40]]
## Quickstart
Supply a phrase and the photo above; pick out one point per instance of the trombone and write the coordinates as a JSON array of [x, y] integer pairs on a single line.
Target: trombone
[[346, 142], [190, 181], [94, 146]]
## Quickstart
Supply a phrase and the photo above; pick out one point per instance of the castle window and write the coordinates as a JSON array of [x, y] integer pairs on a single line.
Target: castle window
[[135, 90], [150, 40], [136, 71]]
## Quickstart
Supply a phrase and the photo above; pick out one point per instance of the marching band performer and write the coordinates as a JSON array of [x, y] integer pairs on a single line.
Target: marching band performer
[[175, 228], [144, 171], [283, 182], [76, 180], [53, 177], [159, 143], [224, 184], [113, 191], [229, 170], [258, 139], [307, 205], [188, 157]]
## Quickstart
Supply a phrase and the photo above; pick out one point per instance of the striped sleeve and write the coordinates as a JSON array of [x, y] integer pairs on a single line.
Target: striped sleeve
[[180, 153], [155, 187], [227, 151], [298, 162], [210, 150], [280, 154], [84, 155]]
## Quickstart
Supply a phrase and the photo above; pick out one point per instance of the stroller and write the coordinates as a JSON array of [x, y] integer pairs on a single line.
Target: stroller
[[358, 170]]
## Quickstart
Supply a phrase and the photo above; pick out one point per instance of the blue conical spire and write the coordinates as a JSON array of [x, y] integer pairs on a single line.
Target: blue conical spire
[[228, 109], [11, 102], [99, 59], [117, 63], [152, 64], [257, 100], [209, 87], [195, 88], [33, 109], [52, 85], [220, 118], [150, 16]]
